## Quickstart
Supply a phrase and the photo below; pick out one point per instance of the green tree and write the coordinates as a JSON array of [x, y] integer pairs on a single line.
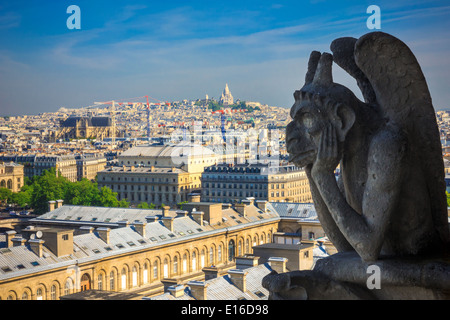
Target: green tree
[[5, 194], [84, 192], [143, 205], [49, 186], [23, 197]]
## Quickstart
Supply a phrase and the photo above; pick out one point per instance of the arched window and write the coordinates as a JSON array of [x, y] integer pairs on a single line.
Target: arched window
[[112, 284], [145, 274], [166, 268], [247, 246], [231, 250], [134, 277], [100, 282], [123, 279], [194, 261], [219, 254], [202, 258], [175, 265], [240, 248], [185, 263], [211, 256], [53, 292], [25, 295], [39, 295], [68, 287], [155, 270]]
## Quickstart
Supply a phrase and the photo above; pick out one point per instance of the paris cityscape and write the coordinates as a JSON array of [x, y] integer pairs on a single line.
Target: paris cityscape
[[113, 195]]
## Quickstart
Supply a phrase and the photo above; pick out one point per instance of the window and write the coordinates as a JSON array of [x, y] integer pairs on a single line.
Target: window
[[39, 294], [53, 292], [100, 282], [175, 265], [155, 270], [231, 250], [124, 279], [112, 286], [68, 287], [145, 274], [166, 268], [134, 277]]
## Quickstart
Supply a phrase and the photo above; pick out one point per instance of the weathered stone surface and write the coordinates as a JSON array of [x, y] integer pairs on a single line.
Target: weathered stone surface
[[390, 198]]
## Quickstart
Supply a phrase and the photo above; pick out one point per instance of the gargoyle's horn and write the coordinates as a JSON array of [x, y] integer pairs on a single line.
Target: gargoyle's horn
[[312, 66], [323, 73]]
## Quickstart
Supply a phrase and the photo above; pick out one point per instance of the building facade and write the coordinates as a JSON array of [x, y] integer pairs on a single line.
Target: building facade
[[158, 174], [11, 176], [85, 127], [156, 185], [55, 257], [230, 183], [88, 165]]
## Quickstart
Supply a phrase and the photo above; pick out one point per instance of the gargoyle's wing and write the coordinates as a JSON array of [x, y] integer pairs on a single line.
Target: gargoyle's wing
[[344, 56], [404, 100]]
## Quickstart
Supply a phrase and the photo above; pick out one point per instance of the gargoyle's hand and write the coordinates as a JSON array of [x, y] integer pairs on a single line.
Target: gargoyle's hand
[[328, 153], [277, 282]]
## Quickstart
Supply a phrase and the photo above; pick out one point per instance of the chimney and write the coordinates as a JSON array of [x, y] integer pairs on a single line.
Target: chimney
[[176, 290], [140, 228], [150, 219], [198, 217], [103, 233], [9, 236], [182, 213], [152, 169], [193, 197], [132, 169], [85, 230], [278, 264], [168, 222], [262, 204], [241, 208], [59, 203], [246, 261], [36, 246], [51, 205], [238, 277], [18, 241], [250, 201], [210, 272], [226, 206], [123, 223], [198, 289], [165, 211]]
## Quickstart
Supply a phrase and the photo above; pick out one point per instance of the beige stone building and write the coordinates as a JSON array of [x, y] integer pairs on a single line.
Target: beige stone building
[[85, 127], [72, 249], [89, 165], [230, 183], [158, 174], [11, 176]]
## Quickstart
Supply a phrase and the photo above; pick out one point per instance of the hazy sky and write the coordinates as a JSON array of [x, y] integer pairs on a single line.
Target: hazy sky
[[173, 50]]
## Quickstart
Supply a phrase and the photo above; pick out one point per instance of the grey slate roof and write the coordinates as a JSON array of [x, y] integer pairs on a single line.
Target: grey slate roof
[[303, 211], [222, 288], [17, 261]]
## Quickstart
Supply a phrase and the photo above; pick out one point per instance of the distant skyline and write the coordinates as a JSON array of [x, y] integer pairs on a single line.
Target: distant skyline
[[178, 50]]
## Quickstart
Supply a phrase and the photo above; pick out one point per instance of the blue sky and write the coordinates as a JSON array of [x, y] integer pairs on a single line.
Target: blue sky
[[174, 50]]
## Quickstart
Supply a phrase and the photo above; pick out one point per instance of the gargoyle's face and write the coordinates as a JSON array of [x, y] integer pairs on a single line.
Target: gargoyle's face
[[304, 131]]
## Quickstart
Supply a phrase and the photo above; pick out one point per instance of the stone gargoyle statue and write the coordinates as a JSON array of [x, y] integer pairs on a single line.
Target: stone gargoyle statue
[[388, 206]]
